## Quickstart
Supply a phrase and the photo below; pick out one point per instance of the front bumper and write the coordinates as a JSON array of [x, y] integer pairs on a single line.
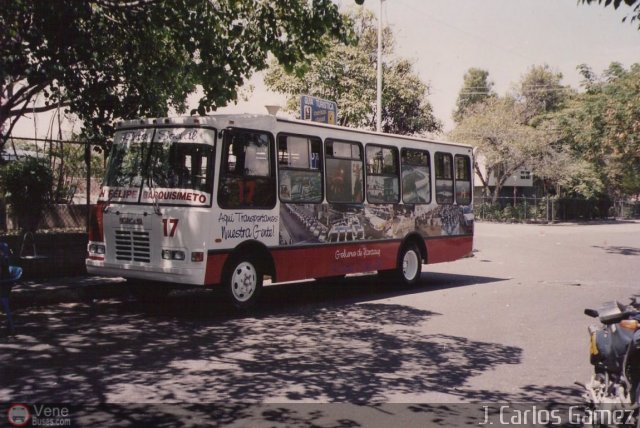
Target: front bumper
[[162, 274]]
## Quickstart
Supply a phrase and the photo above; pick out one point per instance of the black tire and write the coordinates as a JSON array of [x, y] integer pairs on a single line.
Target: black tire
[[243, 281]]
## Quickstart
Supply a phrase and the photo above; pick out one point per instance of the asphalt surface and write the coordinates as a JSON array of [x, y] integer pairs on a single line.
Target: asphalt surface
[[52, 291], [504, 326]]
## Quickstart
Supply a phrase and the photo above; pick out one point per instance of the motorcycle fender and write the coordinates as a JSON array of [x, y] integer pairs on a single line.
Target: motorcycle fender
[[605, 356]]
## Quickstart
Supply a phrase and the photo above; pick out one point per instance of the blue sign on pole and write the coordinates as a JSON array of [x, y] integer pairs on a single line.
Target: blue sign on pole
[[318, 110]]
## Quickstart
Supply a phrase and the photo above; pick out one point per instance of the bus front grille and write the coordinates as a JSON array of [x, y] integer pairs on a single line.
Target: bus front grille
[[133, 246]]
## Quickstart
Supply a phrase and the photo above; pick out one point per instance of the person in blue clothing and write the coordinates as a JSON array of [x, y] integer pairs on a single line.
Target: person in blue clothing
[[8, 276]]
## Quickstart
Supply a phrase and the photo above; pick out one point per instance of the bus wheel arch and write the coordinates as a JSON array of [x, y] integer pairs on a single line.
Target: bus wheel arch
[[243, 273], [418, 241]]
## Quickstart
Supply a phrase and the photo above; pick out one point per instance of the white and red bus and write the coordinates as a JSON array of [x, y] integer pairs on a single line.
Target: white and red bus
[[229, 199]]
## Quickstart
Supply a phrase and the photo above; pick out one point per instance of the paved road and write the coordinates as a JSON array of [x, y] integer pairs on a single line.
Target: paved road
[[505, 325]]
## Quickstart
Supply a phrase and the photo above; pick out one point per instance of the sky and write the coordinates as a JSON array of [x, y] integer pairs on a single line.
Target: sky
[[444, 38]]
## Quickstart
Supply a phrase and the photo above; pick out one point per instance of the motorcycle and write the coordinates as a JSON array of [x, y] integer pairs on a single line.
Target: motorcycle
[[615, 355]]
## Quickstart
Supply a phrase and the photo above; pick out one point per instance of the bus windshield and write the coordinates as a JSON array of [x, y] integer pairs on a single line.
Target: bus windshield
[[181, 166], [161, 168]]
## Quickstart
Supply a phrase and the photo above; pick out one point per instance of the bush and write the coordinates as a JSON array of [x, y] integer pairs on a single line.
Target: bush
[[26, 184]]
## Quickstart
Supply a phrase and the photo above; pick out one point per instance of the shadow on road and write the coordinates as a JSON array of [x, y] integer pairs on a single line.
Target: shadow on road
[[623, 251], [306, 343], [301, 296], [295, 347]]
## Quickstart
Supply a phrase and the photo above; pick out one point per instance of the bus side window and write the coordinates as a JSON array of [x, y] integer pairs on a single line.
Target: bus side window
[[444, 178], [247, 177], [463, 180], [416, 177], [344, 172], [300, 168], [382, 175]]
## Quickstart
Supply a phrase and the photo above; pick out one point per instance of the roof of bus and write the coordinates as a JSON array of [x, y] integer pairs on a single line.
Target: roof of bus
[[258, 121]]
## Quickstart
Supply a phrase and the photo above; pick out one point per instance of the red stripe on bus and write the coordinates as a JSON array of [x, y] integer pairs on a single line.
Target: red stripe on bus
[[449, 249], [330, 260], [213, 272]]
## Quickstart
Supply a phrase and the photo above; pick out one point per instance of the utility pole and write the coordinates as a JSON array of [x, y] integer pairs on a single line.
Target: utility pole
[[379, 76], [379, 70]]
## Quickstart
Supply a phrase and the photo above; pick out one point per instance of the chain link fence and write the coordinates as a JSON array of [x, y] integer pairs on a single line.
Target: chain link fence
[[627, 209], [549, 209], [59, 217]]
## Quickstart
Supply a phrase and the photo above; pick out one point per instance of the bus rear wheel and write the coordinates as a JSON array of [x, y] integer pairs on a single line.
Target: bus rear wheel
[[410, 265], [408, 268], [243, 282]]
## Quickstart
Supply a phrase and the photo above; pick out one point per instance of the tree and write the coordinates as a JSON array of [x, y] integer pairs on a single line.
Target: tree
[[476, 88], [540, 92], [501, 141], [105, 60], [635, 15], [27, 184], [405, 107], [347, 74], [602, 126], [564, 172]]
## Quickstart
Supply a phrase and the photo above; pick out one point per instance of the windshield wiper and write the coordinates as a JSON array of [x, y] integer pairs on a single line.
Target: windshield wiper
[[156, 206]]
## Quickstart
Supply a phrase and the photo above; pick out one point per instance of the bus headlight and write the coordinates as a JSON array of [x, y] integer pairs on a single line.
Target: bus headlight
[[173, 255], [97, 249]]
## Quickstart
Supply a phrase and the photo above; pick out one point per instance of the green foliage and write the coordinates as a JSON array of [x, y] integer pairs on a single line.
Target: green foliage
[[67, 164], [540, 92], [522, 212], [635, 15], [405, 109], [26, 184], [476, 88], [105, 60], [347, 74], [584, 145], [602, 126]]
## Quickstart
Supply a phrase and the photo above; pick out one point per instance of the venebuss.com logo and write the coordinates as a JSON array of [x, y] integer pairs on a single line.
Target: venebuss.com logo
[[39, 415], [18, 415]]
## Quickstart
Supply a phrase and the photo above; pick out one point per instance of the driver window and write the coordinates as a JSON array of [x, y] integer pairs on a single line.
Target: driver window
[[247, 176]]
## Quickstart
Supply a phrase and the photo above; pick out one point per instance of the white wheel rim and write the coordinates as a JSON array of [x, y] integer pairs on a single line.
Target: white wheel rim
[[244, 281], [410, 264]]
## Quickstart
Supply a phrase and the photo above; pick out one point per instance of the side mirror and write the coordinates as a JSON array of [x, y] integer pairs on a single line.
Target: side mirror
[[359, 2]]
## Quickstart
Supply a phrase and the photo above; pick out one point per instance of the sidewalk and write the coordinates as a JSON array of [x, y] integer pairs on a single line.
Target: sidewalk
[[66, 290]]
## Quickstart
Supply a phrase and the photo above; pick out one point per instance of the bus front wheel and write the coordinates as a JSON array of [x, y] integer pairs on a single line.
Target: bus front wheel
[[243, 282]]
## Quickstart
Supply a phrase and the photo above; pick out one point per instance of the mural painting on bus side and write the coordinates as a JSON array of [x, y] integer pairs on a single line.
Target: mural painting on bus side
[[333, 223]]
